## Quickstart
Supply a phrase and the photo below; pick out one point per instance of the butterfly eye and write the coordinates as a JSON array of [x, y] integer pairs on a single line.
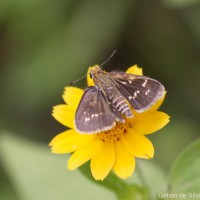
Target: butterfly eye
[[91, 76]]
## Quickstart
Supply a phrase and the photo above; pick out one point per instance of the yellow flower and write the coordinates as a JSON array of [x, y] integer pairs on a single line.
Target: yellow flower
[[114, 149]]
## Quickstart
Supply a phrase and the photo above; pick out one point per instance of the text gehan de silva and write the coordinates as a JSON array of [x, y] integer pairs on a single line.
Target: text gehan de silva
[[189, 195]]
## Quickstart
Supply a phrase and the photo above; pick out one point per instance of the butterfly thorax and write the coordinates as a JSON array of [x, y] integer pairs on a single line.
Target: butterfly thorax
[[108, 86]]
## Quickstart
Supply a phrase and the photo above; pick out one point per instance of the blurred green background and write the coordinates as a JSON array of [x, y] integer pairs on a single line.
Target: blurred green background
[[46, 44]]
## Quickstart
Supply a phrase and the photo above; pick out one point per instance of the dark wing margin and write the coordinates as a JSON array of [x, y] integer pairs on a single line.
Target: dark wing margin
[[94, 113], [141, 92]]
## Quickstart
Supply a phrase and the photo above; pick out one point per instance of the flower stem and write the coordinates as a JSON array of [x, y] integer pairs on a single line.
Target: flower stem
[[133, 192], [112, 182], [123, 190], [140, 174]]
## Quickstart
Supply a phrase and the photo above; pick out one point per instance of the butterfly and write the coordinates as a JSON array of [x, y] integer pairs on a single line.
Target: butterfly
[[111, 98]]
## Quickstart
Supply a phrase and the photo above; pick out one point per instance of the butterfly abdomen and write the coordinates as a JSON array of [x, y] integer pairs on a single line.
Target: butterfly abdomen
[[120, 103]]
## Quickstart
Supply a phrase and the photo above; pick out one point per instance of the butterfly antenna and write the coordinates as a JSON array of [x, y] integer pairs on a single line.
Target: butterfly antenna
[[72, 83], [113, 53]]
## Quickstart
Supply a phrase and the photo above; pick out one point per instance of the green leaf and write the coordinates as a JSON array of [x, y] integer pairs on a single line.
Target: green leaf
[[184, 128], [185, 174], [180, 3], [35, 173]]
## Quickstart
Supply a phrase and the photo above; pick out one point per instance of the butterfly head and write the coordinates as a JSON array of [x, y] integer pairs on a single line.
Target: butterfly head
[[96, 72]]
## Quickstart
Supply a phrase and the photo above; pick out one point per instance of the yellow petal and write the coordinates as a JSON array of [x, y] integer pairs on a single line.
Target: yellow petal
[[134, 70], [90, 82], [73, 141], [83, 155], [61, 137], [72, 96], [103, 161], [150, 122], [137, 145], [64, 114], [124, 162]]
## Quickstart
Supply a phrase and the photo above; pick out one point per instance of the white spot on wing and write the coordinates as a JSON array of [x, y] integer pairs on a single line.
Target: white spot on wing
[[123, 82], [144, 83], [87, 119], [135, 94], [147, 92]]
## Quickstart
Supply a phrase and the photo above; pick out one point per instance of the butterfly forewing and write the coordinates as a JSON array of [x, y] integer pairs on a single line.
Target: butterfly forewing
[[94, 113], [140, 91], [109, 101]]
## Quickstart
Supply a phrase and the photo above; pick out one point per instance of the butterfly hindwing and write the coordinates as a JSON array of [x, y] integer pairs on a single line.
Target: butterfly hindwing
[[94, 113], [140, 91]]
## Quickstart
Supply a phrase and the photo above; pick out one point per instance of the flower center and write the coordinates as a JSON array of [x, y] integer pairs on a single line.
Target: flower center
[[115, 133]]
